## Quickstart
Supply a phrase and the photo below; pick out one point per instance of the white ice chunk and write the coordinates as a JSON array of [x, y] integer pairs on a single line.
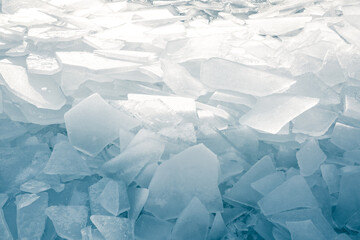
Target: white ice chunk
[[126, 55], [345, 137], [65, 160], [114, 198], [304, 230], [314, 122], [192, 223], [18, 51], [68, 220], [272, 113], [268, 183], [293, 193], [34, 186], [331, 72], [222, 74], [95, 191], [310, 157], [137, 199], [42, 64], [30, 215], [148, 228], [113, 228], [352, 107], [191, 173], [331, 176], [94, 62], [93, 123]]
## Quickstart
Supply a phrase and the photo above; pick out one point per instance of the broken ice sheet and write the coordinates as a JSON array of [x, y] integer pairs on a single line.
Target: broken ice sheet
[[304, 230], [68, 220], [34, 186], [42, 64], [223, 74], [126, 55], [114, 197], [196, 175], [310, 157], [273, 112], [345, 137], [149, 227], [113, 228]]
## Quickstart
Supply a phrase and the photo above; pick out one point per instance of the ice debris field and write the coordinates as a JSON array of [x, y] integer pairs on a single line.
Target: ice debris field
[[180, 119]]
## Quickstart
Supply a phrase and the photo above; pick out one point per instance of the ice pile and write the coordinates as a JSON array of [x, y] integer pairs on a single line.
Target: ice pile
[[181, 119]]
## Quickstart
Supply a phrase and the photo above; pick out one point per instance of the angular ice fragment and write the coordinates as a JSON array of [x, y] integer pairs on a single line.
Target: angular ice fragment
[[268, 183], [148, 228], [4, 228], [345, 137], [218, 229], [331, 72], [310, 157], [34, 186], [68, 220], [192, 223], [272, 113], [293, 193], [137, 199], [114, 198], [242, 191], [304, 230], [314, 122], [42, 64], [352, 103], [17, 82], [90, 233], [93, 123], [65, 160], [191, 173], [18, 51], [95, 191], [331, 176], [133, 56], [113, 228], [179, 80], [94, 62], [30, 215], [222, 74]]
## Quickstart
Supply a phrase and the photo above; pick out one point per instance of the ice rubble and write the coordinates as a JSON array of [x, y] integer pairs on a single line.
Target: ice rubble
[[179, 119]]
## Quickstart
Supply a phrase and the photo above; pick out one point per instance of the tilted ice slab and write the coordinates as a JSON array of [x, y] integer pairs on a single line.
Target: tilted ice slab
[[273, 112], [222, 74]]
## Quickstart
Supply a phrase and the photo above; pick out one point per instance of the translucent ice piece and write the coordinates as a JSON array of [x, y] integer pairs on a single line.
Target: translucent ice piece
[[34, 186], [331, 72], [4, 228], [268, 183], [314, 122], [242, 191], [134, 56], [18, 51], [179, 80], [30, 17], [18, 83], [352, 107], [278, 26], [192, 223], [222, 74], [55, 34], [89, 233], [68, 220], [42, 64], [94, 62], [304, 230], [95, 191], [93, 123], [196, 171], [272, 113], [345, 137], [30, 215], [137, 199], [310, 157], [218, 229], [113, 228], [331, 176], [148, 228], [114, 198], [65, 160], [293, 193]]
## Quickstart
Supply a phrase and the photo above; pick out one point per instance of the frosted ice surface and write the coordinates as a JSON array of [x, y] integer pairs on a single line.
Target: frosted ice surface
[[242, 191], [65, 160], [304, 230], [331, 72], [42, 64], [34, 186], [30, 215], [310, 157], [314, 122], [218, 228], [95, 191], [345, 137], [113, 228], [114, 197], [192, 223], [137, 199], [268, 183], [222, 74], [293, 193], [125, 55], [191, 173], [272, 113], [93, 123], [94, 62], [68, 220], [148, 228]]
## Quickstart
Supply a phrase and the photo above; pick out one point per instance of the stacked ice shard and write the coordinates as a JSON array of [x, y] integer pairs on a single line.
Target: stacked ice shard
[[181, 119]]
